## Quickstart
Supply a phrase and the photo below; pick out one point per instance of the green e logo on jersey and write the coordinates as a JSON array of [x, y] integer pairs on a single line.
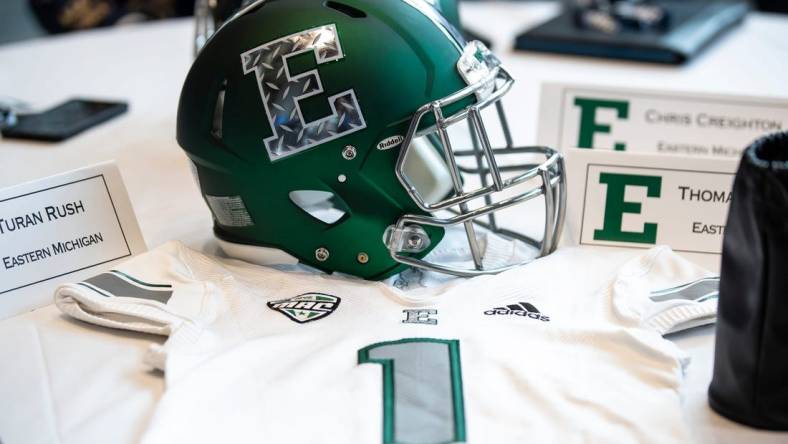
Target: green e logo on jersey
[[616, 206], [588, 124]]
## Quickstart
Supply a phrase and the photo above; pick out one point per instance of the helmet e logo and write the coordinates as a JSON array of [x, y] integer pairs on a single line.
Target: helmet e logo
[[282, 91]]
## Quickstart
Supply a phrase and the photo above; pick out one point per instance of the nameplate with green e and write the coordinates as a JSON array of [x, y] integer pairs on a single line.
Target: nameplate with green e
[[635, 200], [63, 227], [673, 122]]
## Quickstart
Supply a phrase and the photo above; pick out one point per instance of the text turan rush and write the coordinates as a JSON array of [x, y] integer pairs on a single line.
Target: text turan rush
[[47, 214]]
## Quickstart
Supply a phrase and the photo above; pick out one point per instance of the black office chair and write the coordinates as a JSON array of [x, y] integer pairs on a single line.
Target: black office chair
[[57, 16]]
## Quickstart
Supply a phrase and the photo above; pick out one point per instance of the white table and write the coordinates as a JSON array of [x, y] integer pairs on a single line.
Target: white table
[[64, 381]]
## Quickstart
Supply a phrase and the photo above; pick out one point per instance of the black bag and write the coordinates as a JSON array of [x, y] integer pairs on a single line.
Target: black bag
[[750, 381]]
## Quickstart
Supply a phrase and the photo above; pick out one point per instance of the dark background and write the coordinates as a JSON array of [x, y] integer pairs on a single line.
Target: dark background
[[18, 22]]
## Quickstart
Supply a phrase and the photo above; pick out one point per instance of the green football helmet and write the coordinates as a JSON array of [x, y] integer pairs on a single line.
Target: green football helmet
[[319, 131]]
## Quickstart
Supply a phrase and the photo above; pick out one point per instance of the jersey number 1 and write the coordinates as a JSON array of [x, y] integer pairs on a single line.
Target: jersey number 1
[[422, 389]]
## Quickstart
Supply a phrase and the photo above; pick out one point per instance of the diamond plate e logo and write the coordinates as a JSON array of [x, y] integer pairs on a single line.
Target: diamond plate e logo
[[282, 91], [306, 307]]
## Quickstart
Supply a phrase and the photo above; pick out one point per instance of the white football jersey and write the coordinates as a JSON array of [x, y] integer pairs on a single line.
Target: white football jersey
[[559, 351]]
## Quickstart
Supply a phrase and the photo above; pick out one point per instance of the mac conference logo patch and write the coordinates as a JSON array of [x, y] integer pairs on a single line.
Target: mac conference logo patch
[[306, 307]]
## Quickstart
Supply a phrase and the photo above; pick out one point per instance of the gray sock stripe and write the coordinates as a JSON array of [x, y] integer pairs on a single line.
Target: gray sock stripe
[[117, 286]]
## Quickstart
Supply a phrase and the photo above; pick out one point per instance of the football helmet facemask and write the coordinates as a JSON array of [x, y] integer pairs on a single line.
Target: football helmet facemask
[[321, 131]]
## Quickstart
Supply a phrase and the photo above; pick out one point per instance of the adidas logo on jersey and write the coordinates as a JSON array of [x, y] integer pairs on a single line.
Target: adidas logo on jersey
[[306, 307], [522, 309]]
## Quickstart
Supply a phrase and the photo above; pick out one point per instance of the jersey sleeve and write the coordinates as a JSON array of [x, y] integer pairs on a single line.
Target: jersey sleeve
[[169, 291], [151, 293], [667, 292]]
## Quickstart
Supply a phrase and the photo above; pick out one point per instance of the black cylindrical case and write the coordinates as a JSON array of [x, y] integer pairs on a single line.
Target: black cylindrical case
[[750, 380]]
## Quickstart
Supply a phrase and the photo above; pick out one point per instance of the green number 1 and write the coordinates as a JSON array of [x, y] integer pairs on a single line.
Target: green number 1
[[422, 390]]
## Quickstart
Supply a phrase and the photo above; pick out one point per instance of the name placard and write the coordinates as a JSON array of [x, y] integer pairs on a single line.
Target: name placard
[[60, 228], [575, 116], [637, 200]]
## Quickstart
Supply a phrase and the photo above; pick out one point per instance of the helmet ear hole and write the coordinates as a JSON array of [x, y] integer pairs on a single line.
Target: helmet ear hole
[[324, 206], [345, 9]]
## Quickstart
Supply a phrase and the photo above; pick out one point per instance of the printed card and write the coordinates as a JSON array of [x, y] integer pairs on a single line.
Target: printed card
[[62, 228], [632, 200], [663, 122]]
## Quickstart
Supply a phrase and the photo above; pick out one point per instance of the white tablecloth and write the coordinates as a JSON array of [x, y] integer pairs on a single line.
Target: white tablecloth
[[64, 381]]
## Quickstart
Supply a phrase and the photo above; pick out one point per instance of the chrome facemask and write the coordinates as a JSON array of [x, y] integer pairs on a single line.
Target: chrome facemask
[[210, 15], [489, 82], [205, 23]]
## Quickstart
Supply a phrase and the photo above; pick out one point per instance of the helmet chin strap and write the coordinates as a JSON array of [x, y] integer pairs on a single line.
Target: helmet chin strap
[[454, 250], [497, 250]]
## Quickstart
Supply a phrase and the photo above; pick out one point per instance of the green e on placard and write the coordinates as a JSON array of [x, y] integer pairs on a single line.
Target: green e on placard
[[616, 206], [588, 124]]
